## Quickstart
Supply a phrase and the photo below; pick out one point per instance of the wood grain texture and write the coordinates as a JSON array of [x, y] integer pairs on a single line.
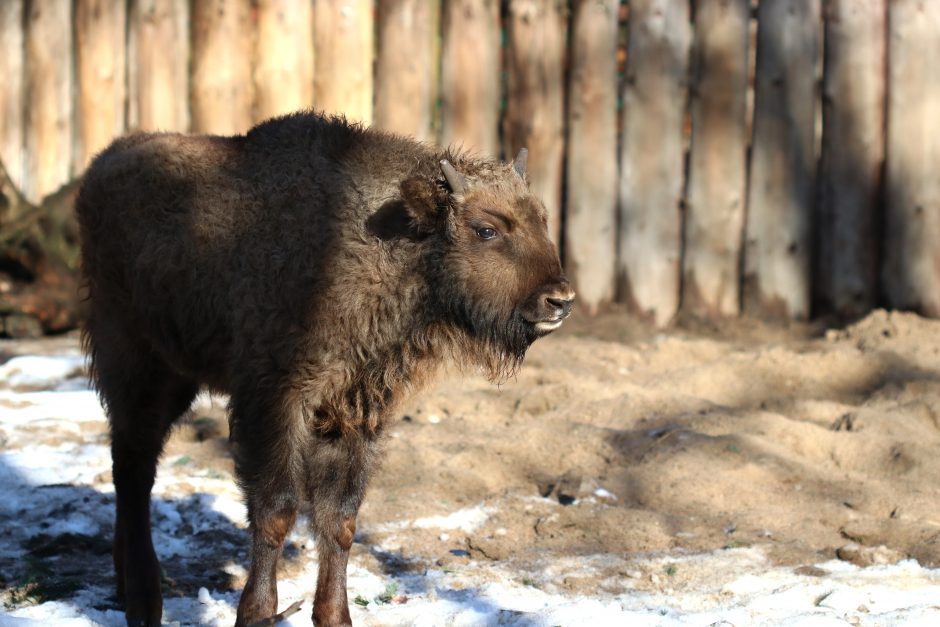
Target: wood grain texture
[[49, 111], [853, 150], [535, 98], [470, 67], [100, 46], [652, 155], [717, 186], [407, 69], [344, 46], [12, 109], [591, 212], [911, 271], [283, 66], [783, 164], [158, 65], [221, 91]]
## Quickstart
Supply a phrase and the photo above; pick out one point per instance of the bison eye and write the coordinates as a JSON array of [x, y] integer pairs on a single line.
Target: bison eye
[[485, 232]]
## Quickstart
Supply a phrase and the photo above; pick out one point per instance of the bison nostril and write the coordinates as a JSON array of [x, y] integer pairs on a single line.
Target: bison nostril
[[564, 304]]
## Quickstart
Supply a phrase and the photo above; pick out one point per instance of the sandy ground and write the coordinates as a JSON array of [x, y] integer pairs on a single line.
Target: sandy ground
[[741, 475]]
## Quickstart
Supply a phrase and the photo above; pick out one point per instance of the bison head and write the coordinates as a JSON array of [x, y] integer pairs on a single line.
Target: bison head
[[492, 268]]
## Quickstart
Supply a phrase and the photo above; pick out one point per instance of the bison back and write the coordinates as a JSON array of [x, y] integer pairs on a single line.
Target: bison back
[[187, 238]]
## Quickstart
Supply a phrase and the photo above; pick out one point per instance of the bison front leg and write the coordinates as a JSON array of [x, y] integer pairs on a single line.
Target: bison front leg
[[268, 530], [340, 472], [264, 460], [330, 605]]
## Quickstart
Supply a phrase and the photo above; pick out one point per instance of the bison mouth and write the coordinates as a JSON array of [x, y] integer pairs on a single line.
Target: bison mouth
[[547, 326], [549, 312]]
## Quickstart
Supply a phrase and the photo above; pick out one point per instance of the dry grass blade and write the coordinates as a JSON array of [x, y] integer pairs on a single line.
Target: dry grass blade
[[274, 620]]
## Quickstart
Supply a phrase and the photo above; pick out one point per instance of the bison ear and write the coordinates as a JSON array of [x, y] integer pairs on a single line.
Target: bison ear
[[422, 199]]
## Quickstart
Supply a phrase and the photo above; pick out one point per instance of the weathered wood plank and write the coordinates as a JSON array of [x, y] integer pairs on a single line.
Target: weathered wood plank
[[853, 151], [777, 252], [535, 100], [652, 155], [283, 71], [911, 270], [49, 114], [470, 66], [158, 65], [591, 212], [717, 186], [100, 46], [221, 91], [344, 46], [407, 66], [12, 95]]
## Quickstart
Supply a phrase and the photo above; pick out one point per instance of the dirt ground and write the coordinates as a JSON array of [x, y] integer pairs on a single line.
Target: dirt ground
[[810, 443], [619, 441]]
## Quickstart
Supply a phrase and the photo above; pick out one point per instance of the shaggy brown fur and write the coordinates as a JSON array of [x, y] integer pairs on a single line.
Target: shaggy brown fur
[[316, 271]]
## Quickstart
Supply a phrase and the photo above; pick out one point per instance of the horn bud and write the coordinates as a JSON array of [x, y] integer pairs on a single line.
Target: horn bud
[[519, 163], [458, 184]]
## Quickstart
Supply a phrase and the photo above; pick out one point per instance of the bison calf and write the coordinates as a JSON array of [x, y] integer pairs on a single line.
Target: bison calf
[[317, 272]]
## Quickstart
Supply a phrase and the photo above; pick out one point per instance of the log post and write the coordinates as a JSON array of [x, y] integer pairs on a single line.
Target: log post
[[535, 99], [652, 157], [406, 68], [100, 29], [12, 94], [48, 97], [222, 94], [717, 190], [777, 254], [852, 156], [470, 66], [591, 211], [283, 72], [911, 271], [344, 49], [158, 65]]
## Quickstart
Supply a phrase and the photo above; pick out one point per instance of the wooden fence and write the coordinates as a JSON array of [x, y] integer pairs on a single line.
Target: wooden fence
[[717, 157]]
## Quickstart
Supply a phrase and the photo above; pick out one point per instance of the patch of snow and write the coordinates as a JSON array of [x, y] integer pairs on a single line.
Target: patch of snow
[[467, 520], [67, 406], [49, 465], [34, 371]]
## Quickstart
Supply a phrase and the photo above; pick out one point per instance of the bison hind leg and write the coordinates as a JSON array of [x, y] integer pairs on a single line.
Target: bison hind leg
[[143, 397]]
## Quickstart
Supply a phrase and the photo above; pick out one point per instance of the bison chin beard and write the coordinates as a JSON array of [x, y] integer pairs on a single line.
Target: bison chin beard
[[494, 341]]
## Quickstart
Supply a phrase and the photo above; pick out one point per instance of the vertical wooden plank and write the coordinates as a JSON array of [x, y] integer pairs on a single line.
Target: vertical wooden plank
[[777, 252], [535, 102], [470, 66], [852, 155], [100, 32], [221, 91], [344, 50], [158, 65], [591, 212], [718, 159], [11, 96], [406, 68], [48, 97], [652, 157], [283, 57], [911, 271]]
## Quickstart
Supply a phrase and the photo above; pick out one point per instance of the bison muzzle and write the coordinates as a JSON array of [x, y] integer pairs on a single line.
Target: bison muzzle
[[318, 273]]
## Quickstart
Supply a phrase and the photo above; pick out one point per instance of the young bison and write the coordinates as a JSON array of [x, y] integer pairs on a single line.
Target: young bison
[[317, 272]]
